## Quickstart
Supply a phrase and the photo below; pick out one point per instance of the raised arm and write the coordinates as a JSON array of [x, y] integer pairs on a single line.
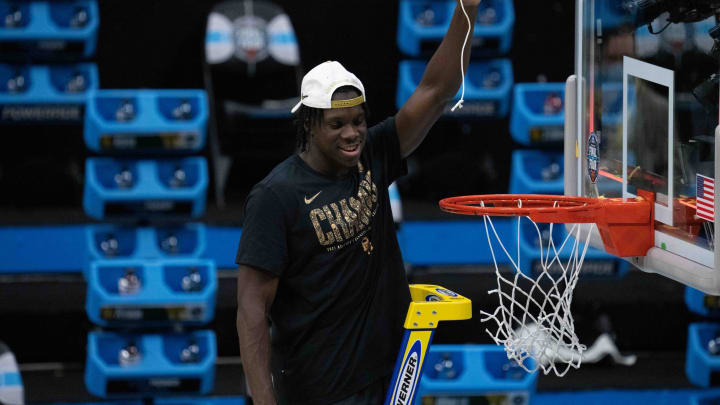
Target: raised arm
[[255, 294], [439, 83]]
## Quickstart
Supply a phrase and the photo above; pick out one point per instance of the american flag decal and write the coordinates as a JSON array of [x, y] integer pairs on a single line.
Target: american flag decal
[[705, 198]]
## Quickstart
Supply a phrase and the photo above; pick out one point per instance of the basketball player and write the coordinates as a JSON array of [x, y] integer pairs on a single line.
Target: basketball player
[[318, 256]]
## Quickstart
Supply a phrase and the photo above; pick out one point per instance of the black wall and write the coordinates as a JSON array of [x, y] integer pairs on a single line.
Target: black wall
[[160, 45]]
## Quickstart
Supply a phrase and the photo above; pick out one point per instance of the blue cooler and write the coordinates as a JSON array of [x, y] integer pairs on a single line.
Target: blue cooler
[[701, 303], [701, 366], [142, 293], [538, 113], [48, 30], [55, 94], [125, 365], [422, 24], [119, 242], [146, 121], [487, 87], [127, 189], [474, 374], [537, 172], [108, 241]]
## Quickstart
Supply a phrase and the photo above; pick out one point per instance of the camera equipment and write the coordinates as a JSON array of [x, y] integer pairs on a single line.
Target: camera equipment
[[682, 11], [679, 11], [707, 92]]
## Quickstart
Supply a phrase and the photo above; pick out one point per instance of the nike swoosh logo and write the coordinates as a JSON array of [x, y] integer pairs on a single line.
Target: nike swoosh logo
[[309, 200]]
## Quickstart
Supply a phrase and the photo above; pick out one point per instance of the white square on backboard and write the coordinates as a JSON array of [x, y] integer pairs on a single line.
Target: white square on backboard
[[664, 77]]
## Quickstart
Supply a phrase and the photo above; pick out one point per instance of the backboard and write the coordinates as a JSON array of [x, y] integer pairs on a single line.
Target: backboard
[[642, 114]]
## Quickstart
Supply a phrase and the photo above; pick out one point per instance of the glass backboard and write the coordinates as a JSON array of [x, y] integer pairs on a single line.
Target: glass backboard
[[646, 113]]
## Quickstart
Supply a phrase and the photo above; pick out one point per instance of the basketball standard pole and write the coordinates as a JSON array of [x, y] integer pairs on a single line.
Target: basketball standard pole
[[430, 305], [571, 153]]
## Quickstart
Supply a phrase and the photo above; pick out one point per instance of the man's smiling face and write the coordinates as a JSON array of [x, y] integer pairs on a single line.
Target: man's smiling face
[[337, 141]]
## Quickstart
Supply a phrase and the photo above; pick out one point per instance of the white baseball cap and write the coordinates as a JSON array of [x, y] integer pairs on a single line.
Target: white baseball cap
[[320, 83]]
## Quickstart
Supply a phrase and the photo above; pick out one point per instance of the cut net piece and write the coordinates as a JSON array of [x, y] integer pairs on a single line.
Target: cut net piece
[[533, 316]]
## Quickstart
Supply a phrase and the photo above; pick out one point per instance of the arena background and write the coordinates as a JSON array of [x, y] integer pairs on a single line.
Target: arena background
[[160, 45]]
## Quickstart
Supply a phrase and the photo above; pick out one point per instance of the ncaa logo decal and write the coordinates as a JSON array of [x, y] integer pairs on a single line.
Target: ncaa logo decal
[[407, 378], [251, 42], [447, 292], [593, 153]]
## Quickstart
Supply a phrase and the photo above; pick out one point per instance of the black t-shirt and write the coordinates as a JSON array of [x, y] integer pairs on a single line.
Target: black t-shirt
[[342, 294]]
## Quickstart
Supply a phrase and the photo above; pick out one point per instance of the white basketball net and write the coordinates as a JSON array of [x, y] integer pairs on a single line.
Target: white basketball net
[[533, 316]]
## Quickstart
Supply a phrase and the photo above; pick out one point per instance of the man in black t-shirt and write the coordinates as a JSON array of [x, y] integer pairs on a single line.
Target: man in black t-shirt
[[318, 255]]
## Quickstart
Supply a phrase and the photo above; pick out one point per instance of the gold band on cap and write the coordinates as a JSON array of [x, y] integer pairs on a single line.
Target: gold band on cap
[[347, 103]]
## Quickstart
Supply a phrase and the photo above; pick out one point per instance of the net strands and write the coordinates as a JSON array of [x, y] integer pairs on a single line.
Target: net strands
[[533, 319]]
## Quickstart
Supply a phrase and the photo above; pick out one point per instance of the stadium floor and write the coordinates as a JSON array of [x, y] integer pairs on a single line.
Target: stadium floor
[[649, 319], [615, 397]]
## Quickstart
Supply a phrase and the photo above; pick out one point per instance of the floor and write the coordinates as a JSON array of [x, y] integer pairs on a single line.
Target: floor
[[42, 319]]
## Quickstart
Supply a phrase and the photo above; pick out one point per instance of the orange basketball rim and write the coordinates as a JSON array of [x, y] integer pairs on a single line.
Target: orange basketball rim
[[626, 225]]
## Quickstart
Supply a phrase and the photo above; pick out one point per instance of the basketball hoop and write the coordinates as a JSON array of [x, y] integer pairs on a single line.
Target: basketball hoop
[[533, 316]]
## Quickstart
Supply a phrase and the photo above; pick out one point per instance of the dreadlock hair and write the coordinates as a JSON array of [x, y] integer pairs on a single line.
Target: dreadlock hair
[[307, 117]]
